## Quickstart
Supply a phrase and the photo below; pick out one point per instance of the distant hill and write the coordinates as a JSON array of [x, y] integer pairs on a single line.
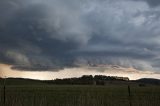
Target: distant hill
[[84, 80], [148, 81], [21, 81]]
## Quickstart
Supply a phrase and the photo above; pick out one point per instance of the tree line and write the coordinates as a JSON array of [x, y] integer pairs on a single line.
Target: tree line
[[89, 80]]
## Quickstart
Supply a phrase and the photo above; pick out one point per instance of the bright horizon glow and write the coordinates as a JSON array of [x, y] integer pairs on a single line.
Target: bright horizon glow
[[133, 74]]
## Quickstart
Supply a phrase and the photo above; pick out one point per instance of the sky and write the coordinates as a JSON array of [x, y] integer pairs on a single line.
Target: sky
[[59, 36]]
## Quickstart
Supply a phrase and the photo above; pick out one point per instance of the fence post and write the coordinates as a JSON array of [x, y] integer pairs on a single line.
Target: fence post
[[129, 94], [4, 91]]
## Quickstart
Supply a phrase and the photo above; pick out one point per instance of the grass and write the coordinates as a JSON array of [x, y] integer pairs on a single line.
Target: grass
[[79, 95]]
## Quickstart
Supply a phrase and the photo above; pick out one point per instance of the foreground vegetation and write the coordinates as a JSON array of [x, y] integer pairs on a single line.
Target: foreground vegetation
[[80, 95]]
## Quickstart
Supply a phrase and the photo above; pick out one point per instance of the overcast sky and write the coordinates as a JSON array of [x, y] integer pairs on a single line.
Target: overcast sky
[[62, 33]]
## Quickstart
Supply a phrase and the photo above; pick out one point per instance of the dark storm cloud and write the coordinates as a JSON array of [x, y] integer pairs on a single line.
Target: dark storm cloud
[[26, 41], [152, 3], [42, 35]]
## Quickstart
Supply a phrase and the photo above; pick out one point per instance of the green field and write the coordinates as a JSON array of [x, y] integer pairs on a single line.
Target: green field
[[80, 95]]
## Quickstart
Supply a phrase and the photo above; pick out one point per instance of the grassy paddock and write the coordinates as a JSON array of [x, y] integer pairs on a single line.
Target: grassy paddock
[[76, 95]]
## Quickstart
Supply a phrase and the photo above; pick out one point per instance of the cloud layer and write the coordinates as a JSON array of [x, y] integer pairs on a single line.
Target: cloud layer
[[59, 33]]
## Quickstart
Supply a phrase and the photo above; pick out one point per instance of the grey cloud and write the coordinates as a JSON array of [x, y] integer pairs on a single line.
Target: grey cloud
[[152, 3], [59, 34], [25, 39]]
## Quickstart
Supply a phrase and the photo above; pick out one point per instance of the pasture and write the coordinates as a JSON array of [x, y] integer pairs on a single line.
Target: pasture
[[79, 95]]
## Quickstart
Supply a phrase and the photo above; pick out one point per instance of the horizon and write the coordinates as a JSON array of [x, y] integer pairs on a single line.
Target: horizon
[[132, 74]]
